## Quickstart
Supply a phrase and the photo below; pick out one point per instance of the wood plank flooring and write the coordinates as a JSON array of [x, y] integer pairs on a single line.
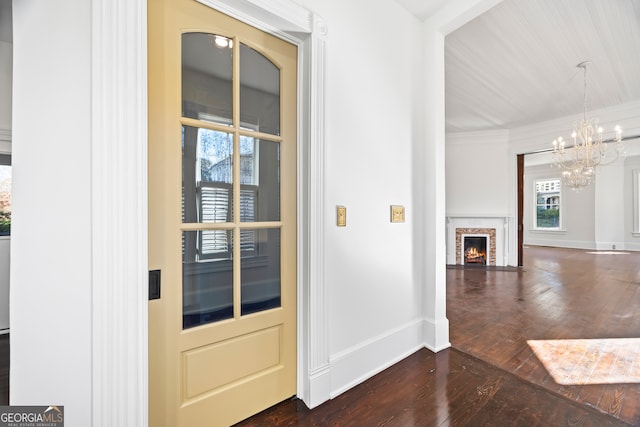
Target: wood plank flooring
[[560, 294], [450, 388]]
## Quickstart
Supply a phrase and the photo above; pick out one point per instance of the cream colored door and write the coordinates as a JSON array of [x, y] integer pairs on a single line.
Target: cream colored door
[[222, 216]]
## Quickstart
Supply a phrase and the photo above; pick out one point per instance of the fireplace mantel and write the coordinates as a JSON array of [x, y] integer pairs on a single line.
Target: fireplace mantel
[[457, 224]]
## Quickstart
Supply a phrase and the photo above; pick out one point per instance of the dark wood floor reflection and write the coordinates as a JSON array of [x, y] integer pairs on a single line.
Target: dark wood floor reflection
[[560, 294], [491, 377], [450, 388]]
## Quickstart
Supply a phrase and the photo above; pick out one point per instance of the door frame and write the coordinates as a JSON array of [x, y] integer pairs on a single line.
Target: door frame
[[119, 209], [520, 207]]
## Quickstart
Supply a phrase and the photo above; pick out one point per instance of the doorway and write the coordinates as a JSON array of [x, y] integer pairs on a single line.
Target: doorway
[[222, 223]]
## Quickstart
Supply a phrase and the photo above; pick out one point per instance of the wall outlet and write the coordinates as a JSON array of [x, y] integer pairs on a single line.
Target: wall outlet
[[613, 247]]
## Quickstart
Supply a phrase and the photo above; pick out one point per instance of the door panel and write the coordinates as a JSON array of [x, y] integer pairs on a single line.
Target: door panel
[[222, 216]]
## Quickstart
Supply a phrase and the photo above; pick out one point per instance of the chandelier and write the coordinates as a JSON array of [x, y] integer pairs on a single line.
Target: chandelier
[[579, 162]]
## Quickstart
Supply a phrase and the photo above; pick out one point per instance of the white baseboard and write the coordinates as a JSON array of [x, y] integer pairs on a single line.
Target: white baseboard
[[359, 363], [556, 243], [436, 334], [319, 387], [608, 246], [632, 246]]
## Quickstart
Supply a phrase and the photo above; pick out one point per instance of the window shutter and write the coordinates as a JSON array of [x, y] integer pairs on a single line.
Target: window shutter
[[214, 206], [248, 214]]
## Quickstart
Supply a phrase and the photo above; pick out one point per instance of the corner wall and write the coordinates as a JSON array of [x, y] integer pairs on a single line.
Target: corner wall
[[477, 170], [373, 299]]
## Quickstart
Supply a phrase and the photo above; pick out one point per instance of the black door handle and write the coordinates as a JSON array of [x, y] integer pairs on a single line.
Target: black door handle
[[154, 284]]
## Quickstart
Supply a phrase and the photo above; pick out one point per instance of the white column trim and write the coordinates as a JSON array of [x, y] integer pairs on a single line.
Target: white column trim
[[119, 213], [316, 381]]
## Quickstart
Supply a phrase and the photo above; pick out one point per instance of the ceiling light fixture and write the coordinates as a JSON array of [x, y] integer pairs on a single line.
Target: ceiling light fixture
[[580, 161], [222, 41]]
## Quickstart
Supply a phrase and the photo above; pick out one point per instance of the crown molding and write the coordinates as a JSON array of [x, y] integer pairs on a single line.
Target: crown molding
[[490, 137], [538, 136]]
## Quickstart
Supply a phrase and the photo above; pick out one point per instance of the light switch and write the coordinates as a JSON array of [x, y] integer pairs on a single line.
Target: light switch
[[341, 215], [397, 213]]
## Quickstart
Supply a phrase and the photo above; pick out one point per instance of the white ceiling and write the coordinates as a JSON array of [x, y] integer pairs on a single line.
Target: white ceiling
[[516, 64], [422, 8]]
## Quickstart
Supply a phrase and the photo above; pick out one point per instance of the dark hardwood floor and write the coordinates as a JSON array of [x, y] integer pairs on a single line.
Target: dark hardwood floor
[[491, 377], [450, 388], [560, 294]]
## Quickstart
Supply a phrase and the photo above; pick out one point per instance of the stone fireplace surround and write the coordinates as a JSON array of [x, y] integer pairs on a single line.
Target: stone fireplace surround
[[494, 227], [481, 232]]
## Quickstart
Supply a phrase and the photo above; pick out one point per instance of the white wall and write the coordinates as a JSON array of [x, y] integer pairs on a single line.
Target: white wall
[[577, 213], [6, 67], [609, 207], [477, 167], [51, 237], [374, 302], [632, 201]]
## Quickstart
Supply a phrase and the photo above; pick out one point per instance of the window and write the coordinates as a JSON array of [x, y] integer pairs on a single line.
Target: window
[[215, 197], [5, 194], [547, 213]]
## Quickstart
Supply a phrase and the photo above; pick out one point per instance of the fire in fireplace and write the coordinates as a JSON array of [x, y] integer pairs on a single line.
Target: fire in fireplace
[[475, 250]]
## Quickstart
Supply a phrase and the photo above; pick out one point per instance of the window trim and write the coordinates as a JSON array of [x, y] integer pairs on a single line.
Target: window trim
[[5, 160]]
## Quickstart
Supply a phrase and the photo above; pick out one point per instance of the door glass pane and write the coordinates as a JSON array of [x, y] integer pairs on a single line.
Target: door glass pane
[[207, 175], [259, 179], [259, 92], [207, 70], [207, 277], [260, 272]]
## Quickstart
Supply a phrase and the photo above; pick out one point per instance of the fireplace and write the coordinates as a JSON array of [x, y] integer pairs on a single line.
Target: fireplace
[[485, 242], [475, 250], [494, 228]]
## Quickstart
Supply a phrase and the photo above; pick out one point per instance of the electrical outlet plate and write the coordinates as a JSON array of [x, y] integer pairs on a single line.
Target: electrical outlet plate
[[341, 216], [397, 213]]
